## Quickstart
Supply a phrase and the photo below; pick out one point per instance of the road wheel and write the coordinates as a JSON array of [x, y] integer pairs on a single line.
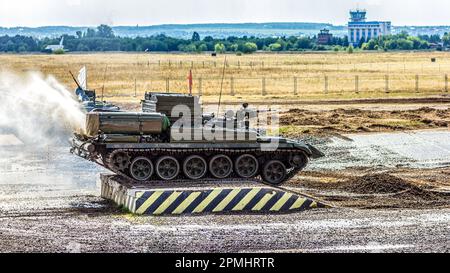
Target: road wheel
[[167, 168], [274, 172], [221, 166], [195, 167], [246, 166], [141, 169], [121, 161]]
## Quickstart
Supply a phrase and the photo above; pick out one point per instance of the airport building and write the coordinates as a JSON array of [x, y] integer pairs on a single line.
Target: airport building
[[360, 29], [324, 37]]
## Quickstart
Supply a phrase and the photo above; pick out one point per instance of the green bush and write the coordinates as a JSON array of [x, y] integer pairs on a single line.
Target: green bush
[[59, 52], [350, 49]]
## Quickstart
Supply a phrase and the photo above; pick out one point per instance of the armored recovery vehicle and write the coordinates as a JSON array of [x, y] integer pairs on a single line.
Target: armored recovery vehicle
[[145, 147]]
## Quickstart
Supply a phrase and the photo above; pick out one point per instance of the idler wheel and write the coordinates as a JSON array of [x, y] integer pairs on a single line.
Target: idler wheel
[[195, 167], [246, 166], [121, 161], [141, 169], [167, 168], [221, 166], [299, 161], [274, 172]]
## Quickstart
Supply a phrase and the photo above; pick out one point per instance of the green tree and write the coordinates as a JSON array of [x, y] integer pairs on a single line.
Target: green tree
[[195, 37], [249, 48], [104, 31], [275, 47], [90, 33], [188, 48], [303, 43], [234, 47], [371, 45], [202, 48], [446, 39], [219, 48]]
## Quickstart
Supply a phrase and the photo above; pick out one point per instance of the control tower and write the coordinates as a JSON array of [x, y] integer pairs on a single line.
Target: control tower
[[358, 15], [361, 30]]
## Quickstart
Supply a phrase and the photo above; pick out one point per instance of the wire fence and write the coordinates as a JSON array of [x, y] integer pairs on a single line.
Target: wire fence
[[425, 67], [295, 85]]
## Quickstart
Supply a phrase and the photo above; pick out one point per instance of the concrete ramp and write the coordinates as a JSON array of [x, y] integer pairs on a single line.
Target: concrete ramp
[[163, 199]]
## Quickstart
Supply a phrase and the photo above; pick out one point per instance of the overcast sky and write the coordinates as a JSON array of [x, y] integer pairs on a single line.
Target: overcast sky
[[152, 12]]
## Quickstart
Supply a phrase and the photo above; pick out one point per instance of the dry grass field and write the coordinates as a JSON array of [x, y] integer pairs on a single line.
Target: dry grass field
[[257, 77]]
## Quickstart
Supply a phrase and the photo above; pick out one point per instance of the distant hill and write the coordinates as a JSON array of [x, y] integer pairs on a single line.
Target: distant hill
[[185, 31], [215, 30]]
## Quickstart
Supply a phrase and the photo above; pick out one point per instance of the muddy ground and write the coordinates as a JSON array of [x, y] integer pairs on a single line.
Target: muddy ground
[[297, 122], [390, 192]]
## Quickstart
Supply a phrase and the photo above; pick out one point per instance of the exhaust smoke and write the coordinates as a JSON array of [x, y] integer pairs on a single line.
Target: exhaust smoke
[[38, 109]]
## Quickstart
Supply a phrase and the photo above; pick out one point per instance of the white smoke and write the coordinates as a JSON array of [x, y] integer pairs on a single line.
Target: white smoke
[[37, 109]]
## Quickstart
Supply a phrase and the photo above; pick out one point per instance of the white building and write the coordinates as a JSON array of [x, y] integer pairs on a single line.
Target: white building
[[359, 29], [53, 48]]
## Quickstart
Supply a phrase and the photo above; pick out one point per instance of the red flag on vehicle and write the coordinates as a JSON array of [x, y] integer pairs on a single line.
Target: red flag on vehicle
[[190, 82]]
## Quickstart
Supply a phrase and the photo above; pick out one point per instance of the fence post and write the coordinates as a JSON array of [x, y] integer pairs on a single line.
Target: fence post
[[446, 83], [200, 83], [417, 83], [167, 85], [357, 84], [386, 87], [295, 86], [135, 87], [326, 84], [263, 91], [232, 86], [192, 64]]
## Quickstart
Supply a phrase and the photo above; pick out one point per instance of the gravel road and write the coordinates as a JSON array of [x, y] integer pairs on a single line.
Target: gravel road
[[49, 203]]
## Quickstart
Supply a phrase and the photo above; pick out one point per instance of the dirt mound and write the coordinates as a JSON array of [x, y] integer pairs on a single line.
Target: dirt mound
[[297, 121], [387, 184]]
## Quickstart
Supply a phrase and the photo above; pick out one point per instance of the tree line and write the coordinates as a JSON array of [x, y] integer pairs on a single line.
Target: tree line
[[103, 39]]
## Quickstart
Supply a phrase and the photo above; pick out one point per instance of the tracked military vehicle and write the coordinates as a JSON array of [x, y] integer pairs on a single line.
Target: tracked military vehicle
[[146, 147]]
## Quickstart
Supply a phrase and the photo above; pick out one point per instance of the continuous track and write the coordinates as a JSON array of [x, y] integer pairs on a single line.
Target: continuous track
[[180, 179]]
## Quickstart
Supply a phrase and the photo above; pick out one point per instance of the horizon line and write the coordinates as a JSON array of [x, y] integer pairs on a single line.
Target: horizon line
[[198, 24]]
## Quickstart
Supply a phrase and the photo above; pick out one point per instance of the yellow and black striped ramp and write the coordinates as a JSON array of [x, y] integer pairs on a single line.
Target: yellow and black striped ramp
[[221, 200]]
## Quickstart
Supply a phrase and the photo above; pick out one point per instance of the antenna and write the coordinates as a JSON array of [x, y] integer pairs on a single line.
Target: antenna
[[73, 77], [104, 80], [221, 85]]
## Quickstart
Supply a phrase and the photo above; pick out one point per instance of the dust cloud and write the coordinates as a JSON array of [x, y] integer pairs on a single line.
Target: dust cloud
[[37, 109]]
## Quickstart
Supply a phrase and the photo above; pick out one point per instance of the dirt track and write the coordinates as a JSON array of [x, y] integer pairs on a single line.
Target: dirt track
[[390, 192], [49, 203]]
